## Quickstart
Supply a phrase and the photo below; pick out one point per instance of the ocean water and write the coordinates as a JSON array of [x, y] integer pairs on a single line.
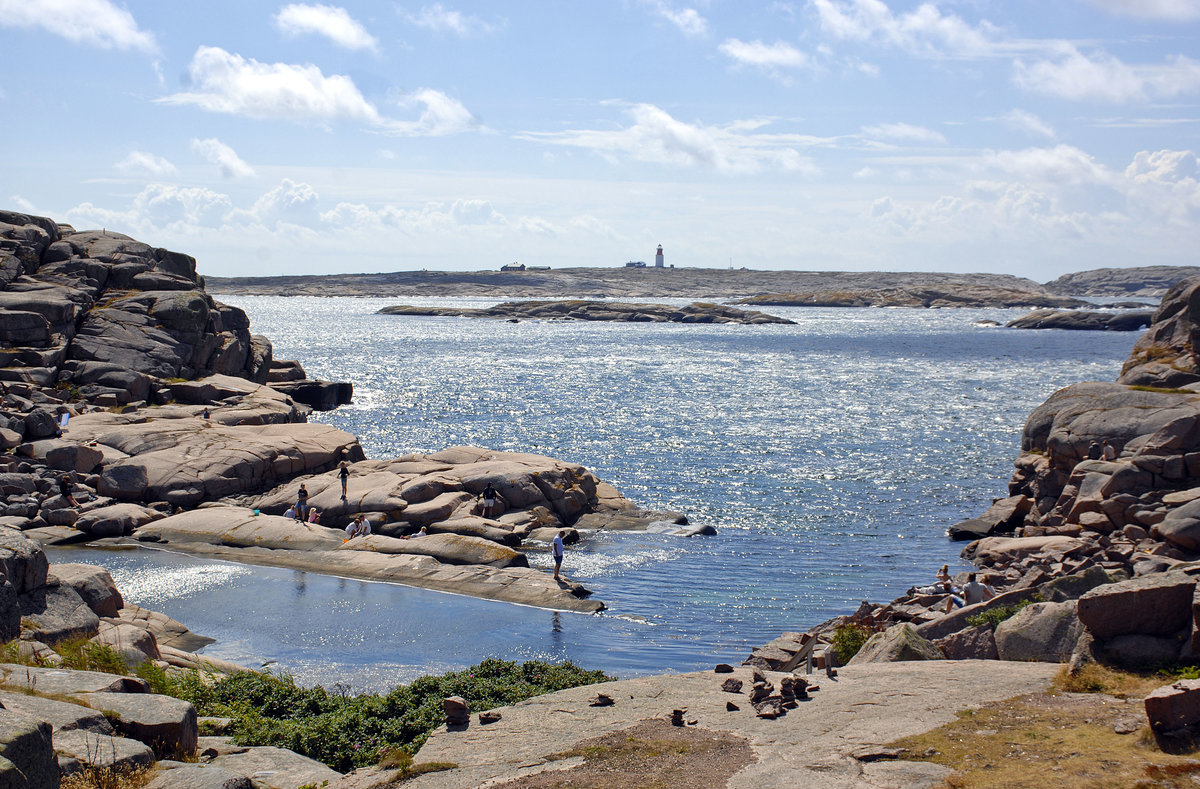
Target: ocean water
[[830, 455]]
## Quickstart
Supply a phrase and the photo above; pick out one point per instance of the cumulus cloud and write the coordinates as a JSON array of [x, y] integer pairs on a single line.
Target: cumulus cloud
[[655, 136], [98, 23], [223, 156], [1172, 10], [1101, 77], [1062, 164], [763, 55], [902, 131], [142, 163], [331, 21], [688, 20], [1028, 122], [441, 115], [440, 19], [923, 31], [228, 83]]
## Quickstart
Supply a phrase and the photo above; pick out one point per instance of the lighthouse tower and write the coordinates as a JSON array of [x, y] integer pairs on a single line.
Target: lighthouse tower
[[658, 261]]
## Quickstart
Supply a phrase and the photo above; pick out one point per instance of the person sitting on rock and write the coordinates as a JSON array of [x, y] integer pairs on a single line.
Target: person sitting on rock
[[1109, 453], [314, 515], [421, 533], [290, 512], [974, 592], [64, 489], [359, 527]]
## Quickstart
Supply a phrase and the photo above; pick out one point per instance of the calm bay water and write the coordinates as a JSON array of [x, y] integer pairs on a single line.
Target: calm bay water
[[831, 456]]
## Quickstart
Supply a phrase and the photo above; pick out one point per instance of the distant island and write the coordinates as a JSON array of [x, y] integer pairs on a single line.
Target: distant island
[[576, 310], [804, 288]]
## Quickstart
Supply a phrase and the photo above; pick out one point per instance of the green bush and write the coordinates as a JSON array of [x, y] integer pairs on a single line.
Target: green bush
[[847, 640], [994, 616], [346, 731]]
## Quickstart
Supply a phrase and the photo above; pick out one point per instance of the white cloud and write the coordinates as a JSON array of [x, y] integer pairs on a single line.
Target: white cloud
[[98, 23], [1062, 164], [331, 21], [657, 137], [688, 20], [441, 115], [223, 156], [1029, 123], [443, 20], [1165, 186], [1102, 77], [902, 131], [923, 31], [141, 162], [231, 84], [770, 56], [21, 204], [291, 202], [1173, 10]]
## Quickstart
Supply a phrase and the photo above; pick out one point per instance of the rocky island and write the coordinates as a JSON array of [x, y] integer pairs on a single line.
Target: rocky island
[[576, 310], [1083, 320]]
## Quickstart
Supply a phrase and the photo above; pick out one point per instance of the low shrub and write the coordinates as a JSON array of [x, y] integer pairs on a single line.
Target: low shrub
[[847, 640]]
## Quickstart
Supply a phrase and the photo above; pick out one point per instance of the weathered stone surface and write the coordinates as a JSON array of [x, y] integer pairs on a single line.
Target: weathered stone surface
[[1003, 516], [56, 612], [1181, 526], [103, 750], [63, 454], [132, 643], [236, 526], [1166, 354], [1045, 632], [897, 643], [93, 584], [166, 631], [446, 548], [1139, 652], [168, 725], [1083, 320], [22, 562], [972, 643], [27, 759], [116, 520], [1154, 605], [61, 682], [1003, 550], [62, 715], [276, 768], [199, 776], [1174, 706]]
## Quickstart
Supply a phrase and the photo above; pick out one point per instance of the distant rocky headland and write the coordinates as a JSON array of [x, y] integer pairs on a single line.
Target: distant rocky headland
[[1084, 320], [576, 310], [800, 288]]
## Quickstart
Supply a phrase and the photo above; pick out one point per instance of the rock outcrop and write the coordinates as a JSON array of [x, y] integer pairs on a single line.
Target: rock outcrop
[[975, 295], [1082, 320], [575, 310], [1146, 281]]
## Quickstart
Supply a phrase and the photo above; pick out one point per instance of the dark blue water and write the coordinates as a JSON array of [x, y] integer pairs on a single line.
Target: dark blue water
[[830, 455]]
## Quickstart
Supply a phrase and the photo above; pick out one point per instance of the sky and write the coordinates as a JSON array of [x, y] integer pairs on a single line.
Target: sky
[[266, 138]]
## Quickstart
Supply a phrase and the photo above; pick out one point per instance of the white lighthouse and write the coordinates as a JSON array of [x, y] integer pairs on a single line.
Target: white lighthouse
[[658, 261]]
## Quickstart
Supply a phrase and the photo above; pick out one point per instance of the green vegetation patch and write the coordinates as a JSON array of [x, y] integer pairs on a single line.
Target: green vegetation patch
[[994, 616], [347, 731], [848, 639]]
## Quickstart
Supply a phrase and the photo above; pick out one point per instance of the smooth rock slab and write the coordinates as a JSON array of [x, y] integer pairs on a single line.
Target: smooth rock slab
[[56, 613], [1046, 632], [868, 706], [276, 768], [93, 584], [1174, 706], [103, 750], [199, 776], [62, 715], [897, 643], [66, 682], [240, 527], [166, 724]]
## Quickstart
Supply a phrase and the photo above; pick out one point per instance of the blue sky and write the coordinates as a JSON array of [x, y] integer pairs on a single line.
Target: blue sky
[[1018, 137]]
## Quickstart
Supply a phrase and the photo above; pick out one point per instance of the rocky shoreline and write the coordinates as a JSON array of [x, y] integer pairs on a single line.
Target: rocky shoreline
[[138, 409]]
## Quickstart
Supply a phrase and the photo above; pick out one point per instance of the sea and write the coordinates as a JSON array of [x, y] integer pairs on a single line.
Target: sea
[[830, 455]]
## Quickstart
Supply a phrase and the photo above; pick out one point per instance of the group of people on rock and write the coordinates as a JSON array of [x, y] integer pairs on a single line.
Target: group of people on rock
[[970, 593]]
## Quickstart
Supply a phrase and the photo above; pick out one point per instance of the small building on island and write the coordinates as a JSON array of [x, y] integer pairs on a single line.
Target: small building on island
[[636, 264], [658, 258], [514, 266]]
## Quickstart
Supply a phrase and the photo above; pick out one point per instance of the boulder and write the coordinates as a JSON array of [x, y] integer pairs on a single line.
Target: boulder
[[93, 584], [1005, 550], [1042, 632], [973, 643], [319, 395], [134, 645], [1181, 526], [166, 724], [1003, 516], [27, 759], [1174, 706], [1154, 605], [1140, 652], [1166, 354], [116, 520], [898, 642], [22, 562], [166, 631], [55, 613]]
